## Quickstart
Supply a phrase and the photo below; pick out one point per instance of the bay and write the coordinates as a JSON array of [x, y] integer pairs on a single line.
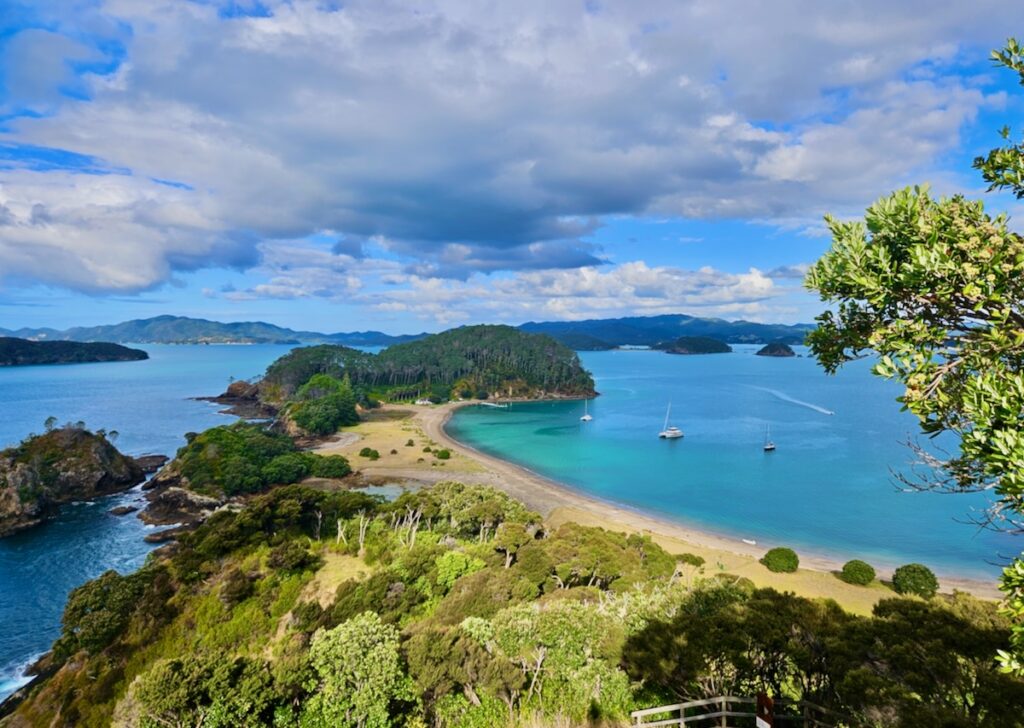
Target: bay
[[828, 489]]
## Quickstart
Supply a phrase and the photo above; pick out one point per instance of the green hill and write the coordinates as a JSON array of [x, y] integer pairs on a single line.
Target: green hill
[[21, 352]]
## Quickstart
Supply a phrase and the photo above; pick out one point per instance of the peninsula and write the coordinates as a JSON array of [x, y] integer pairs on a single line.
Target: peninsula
[[694, 345], [22, 352]]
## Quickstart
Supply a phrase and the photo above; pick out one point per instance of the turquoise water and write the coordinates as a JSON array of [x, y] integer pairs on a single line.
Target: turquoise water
[[827, 489], [149, 404]]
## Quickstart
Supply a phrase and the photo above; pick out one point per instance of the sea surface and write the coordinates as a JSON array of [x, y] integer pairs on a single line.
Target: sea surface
[[149, 404], [828, 489]]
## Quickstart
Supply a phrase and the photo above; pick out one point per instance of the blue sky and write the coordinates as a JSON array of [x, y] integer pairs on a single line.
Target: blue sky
[[407, 167]]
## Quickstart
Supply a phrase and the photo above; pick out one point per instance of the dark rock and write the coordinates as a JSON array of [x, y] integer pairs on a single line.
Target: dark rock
[[168, 534], [149, 464], [122, 510], [243, 400], [178, 505]]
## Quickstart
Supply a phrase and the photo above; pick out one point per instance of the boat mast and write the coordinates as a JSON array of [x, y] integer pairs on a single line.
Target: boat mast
[[667, 413]]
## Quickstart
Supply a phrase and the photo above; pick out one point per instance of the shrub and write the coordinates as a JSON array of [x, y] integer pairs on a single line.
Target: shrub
[[370, 453], [857, 572], [285, 469], [291, 556], [691, 559], [394, 451], [781, 560], [427, 449], [443, 454], [410, 443], [331, 466], [915, 579]]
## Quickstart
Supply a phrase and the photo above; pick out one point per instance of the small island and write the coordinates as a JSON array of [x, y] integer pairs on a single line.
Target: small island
[[24, 352], [62, 465], [694, 345], [776, 348]]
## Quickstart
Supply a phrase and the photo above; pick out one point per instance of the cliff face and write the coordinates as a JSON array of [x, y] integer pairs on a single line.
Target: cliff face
[[60, 466]]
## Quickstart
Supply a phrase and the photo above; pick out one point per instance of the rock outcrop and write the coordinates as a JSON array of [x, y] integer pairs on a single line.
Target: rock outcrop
[[776, 348], [60, 466]]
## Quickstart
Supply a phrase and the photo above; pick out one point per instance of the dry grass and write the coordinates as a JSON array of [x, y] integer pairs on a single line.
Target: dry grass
[[337, 569], [390, 429], [804, 582]]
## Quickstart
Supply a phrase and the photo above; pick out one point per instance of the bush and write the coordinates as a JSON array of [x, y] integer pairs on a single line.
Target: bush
[[857, 572], [915, 579], [691, 559], [331, 466], [286, 469], [291, 556], [410, 443], [394, 451], [370, 453], [781, 560], [443, 454], [427, 449]]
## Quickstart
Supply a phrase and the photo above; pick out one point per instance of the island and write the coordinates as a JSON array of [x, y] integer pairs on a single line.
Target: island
[[62, 465], [776, 348], [693, 345], [23, 352]]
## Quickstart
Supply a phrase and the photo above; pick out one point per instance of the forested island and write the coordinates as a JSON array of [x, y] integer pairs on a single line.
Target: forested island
[[693, 345], [317, 389], [62, 465], [776, 348], [22, 352]]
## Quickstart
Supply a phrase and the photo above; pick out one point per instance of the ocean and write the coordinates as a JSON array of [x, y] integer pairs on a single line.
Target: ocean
[[827, 489]]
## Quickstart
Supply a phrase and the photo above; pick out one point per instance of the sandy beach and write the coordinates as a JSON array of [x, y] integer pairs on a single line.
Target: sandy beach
[[391, 430]]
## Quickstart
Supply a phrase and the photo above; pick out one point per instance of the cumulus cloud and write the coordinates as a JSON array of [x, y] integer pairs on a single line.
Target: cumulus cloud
[[461, 138]]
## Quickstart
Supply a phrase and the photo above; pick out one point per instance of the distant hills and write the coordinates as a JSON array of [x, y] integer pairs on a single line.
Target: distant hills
[[652, 330], [589, 335], [21, 352], [184, 330]]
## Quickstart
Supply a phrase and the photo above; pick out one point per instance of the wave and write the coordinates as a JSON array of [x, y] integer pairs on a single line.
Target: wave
[[792, 400], [13, 676]]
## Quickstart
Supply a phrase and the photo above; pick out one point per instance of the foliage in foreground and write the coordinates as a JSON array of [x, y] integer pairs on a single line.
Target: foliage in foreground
[[452, 606], [936, 288]]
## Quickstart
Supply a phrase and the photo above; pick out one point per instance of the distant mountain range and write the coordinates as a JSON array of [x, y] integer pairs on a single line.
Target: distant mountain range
[[593, 334], [596, 334]]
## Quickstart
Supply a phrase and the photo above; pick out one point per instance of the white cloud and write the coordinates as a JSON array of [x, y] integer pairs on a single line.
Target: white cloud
[[470, 137]]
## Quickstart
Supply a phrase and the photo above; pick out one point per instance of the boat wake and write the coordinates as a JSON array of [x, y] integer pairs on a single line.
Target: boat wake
[[786, 398]]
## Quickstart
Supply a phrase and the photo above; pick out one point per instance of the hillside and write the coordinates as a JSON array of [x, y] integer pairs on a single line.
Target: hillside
[[455, 606], [650, 330], [776, 348], [694, 345], [21, 352], [184, 330], [471, 361]]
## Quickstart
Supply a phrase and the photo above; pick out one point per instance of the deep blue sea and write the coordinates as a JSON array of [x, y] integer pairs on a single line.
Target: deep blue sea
[[828, 488], [148, 403]]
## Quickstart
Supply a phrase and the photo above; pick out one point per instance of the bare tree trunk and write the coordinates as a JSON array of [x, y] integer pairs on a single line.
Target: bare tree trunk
[[319, 523], [342, 538]]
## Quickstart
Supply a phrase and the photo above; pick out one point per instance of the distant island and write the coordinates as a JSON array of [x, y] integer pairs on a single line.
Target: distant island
[[591, 335], [776, 348], [22, 352], [694, 345]]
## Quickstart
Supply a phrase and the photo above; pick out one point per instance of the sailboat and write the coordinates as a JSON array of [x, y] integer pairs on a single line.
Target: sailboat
[[586, 415], [769, 446], [669, 432]]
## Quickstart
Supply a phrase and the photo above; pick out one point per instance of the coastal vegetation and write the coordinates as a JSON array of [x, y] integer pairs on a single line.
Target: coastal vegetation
[[455, 606], [244, 458], [693, 345], [776, 348], [857, 572], [22, 352], [915, 579], [61, 465], [935, 288], [781, 560]]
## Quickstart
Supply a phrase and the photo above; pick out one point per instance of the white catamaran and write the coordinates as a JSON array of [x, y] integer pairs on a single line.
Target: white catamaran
[[669, 432], [586, 414]]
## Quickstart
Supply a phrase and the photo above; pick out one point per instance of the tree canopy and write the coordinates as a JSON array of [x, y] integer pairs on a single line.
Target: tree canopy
[[936, 288]]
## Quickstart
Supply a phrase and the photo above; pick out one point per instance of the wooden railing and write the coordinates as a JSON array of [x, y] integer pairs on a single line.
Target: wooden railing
[[729, 711]]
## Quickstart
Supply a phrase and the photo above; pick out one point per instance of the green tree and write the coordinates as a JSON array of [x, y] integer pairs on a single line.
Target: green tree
[[360, 680], [936, 288]]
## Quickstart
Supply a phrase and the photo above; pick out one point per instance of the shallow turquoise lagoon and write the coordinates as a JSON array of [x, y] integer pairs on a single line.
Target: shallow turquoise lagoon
[[828, 488]]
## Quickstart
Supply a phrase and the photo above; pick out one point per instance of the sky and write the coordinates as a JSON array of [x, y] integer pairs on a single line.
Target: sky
[[344, 166]]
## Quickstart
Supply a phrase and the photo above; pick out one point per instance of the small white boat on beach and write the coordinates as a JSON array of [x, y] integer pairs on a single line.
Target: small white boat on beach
[[749, 541], [669, 432]]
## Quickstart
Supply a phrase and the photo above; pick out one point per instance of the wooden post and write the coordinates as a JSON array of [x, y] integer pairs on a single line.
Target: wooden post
[[725, 720]]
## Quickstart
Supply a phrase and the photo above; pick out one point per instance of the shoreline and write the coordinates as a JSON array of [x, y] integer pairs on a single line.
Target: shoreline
[[561, 502]]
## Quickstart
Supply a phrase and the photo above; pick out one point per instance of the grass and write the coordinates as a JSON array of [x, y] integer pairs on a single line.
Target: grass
[[387, 430], [337, 569]]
